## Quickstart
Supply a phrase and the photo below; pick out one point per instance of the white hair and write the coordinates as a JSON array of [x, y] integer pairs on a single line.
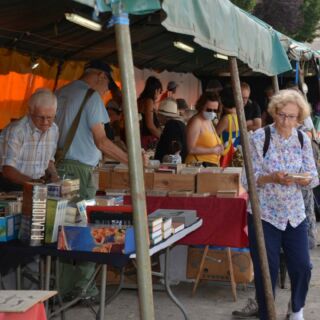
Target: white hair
[[42, 98]]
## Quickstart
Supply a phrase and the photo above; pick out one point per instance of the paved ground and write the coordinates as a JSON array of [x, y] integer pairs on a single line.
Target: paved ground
[[212, 301]]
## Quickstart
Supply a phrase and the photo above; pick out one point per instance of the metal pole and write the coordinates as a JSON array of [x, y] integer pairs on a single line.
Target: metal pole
[[135, 169], [275, 84], [252, 190]]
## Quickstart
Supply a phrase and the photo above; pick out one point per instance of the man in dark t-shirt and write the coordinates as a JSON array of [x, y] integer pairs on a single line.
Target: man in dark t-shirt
[[252, 110]]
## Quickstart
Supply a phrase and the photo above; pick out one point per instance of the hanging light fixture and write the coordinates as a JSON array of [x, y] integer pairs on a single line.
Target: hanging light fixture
[[220, 56], [183, 46], [84, 22], [34, 63]]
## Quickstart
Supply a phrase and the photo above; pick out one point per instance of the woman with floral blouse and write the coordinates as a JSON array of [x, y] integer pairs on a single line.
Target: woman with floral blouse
[[281, 202]]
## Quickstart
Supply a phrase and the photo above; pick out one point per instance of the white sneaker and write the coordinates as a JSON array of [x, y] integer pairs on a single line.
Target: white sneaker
[[297, 315]]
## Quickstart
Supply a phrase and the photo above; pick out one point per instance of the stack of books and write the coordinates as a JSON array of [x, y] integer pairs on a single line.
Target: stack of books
[[155, 230], [186, 217], [166, 227]]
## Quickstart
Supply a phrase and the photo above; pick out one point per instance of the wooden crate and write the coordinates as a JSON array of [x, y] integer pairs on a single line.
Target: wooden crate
[[213, 182], [174, 182], [104, 179], [121, 180]]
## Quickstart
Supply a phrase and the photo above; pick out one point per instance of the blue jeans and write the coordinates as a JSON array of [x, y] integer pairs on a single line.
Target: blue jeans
[[294, 242]]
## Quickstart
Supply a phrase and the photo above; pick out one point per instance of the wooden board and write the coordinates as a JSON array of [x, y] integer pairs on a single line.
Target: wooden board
[[22, 300], [174, 182], [213, 182]]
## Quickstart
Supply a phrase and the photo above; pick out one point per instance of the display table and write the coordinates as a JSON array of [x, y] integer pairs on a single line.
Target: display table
[[23, 304], [36, 312], [224, 219], [16, 248]]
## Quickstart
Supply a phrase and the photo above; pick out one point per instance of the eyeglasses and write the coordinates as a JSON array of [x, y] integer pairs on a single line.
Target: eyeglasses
[[210, 110], [284, 116], [42, 118]]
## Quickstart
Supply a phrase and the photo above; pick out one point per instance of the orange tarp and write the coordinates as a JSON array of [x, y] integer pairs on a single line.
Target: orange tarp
[[18, 81]]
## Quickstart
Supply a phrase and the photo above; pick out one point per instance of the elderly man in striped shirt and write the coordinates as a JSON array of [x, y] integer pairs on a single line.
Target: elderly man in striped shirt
[[28, 146]]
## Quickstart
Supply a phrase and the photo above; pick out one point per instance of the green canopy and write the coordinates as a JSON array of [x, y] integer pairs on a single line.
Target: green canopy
[[129, 6], [220, 26], [217, 25]]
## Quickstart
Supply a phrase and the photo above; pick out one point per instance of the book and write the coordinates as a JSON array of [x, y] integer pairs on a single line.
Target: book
[[177, 226], [56, 210], [35, 206], [156, 240], [167, 233], [96, 238], [153, 221], [226, 193], [200, 195], [182, 193], [155, 234], [155, 228], [166, 223], [305, 175], [187, 217]]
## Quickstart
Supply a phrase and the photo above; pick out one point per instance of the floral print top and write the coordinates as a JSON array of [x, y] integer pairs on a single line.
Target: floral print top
[[281, 204]]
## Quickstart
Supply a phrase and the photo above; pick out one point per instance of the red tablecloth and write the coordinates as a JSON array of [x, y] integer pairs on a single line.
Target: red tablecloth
[[37, 312], [224, 219]]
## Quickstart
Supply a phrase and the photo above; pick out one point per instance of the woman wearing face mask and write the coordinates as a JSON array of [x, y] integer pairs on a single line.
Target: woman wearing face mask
[[204, 145]]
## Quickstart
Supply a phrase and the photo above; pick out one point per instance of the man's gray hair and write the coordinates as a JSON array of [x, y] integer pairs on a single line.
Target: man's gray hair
[[42, 98]]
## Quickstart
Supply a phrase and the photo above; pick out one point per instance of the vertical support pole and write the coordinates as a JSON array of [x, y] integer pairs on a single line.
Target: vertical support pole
[[138, 197], [252, 190], [275, 84]]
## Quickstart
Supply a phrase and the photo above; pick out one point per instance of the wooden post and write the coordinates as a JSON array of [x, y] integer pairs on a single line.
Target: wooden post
[[252, 190], [275, 84], [135, 162]]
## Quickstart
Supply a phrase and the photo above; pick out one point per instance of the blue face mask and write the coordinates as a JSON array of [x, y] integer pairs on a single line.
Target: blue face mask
[[209, 115]]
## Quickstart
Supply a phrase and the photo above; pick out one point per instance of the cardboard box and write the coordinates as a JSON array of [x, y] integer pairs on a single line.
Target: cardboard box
[[174, 182], [217, 268], [213, 182], [9, 227]]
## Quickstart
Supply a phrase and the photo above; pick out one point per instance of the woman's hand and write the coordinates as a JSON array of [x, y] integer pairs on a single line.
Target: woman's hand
[[218, 149], [302, 182], [282, 178]]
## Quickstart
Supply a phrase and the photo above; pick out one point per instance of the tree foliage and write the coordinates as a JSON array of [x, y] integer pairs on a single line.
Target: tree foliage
[[295, 18], [247, 5], [311, 15]]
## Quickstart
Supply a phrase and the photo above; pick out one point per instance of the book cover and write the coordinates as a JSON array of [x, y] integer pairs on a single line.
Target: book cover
[[56, 208], [97, 238], [153, 221], [177, 226], [38, 217], [167, 233], [155, 234], [155, 228], [166, 223], [156, 240]]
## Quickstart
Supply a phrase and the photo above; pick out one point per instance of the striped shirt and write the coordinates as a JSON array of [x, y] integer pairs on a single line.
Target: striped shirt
[[26, 148]]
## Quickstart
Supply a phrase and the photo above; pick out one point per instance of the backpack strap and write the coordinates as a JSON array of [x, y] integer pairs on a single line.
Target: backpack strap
[[300, 137], [266, 144], [267, 138]]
